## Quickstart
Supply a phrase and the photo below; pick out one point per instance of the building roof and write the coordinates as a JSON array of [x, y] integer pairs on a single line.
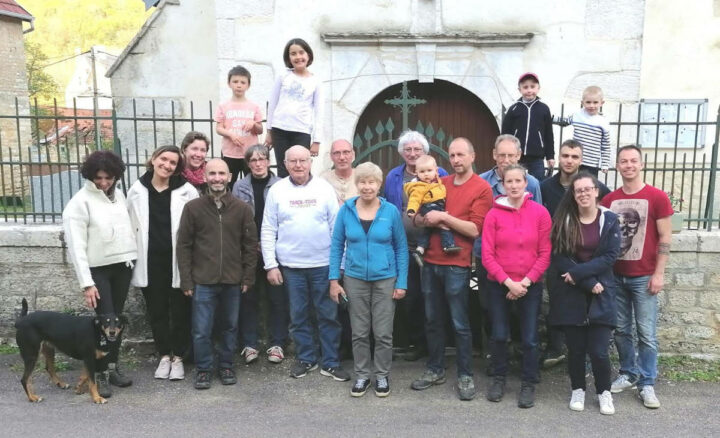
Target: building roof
[[10, 8]]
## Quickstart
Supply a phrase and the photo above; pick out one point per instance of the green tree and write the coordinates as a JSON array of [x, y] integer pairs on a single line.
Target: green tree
[[63, 26], [40, 84]]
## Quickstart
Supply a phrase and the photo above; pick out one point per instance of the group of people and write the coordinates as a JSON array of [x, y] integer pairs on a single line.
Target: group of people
[[205, 245]]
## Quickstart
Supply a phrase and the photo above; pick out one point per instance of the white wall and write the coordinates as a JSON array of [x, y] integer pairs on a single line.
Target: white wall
[[175, 62]]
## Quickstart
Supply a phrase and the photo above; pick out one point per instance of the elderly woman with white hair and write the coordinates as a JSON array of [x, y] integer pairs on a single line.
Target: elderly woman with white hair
[[369, 232], [411, 146]]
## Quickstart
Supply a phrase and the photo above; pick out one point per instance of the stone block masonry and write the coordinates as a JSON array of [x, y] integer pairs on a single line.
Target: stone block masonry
[[34, 264]]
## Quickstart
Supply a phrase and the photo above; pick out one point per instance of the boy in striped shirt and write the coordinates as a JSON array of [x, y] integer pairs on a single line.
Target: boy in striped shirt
[[592, 130]]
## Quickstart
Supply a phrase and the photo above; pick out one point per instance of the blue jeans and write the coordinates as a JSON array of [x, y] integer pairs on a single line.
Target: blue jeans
[[633, 297], [535, 167], [528, 308], [447, 240], [310, 287], [277, 312], [206, 299], [451, 284]]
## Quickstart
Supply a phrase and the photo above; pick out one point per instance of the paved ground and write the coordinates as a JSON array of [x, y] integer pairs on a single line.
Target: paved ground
[[266, 402]]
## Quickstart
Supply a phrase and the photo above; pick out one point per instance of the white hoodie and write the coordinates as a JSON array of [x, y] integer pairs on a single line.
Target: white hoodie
[[97, 231]]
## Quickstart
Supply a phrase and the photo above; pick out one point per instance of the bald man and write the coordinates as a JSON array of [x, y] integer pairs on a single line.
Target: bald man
[[216, 252], [341, 175], [295, 238]]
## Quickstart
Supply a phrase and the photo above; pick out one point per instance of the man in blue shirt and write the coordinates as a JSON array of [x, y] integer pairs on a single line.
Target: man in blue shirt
[[411, 146]]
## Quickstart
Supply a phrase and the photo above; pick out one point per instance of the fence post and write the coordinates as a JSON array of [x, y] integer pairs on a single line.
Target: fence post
[[713, 173], [116, 140]]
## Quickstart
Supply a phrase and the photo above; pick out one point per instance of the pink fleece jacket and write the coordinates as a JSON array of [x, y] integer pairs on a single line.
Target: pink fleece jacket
[[516, 241]]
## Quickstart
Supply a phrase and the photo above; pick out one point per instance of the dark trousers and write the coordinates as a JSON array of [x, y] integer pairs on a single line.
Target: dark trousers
[[535, 166], [278, 316], [529, 310], [238, 168], [594, 341], [410, 314], [554, 334], [169, 314], [207, 301], [590, 169], [447, 285], [112, 283], [282, 141], [447, 240]]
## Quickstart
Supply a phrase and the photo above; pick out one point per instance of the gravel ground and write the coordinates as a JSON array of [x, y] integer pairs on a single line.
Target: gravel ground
[[266, 402]]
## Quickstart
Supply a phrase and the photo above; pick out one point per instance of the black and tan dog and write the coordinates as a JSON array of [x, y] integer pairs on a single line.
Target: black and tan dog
[[84, 338]]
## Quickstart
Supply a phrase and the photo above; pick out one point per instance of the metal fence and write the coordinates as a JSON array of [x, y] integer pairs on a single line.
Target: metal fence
[[41, 149]]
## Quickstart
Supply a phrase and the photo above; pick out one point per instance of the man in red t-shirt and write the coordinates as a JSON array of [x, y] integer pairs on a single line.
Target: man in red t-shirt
[[644, 213], [445, 277]]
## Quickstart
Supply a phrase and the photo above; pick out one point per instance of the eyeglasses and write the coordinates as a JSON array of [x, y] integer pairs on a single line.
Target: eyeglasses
[[584, 190], [413, 150], [343, 153], [301, 161], [257, 160]]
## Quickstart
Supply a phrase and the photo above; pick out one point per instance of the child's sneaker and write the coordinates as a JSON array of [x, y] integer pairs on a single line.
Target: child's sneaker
[[250, 354], [275, 354]]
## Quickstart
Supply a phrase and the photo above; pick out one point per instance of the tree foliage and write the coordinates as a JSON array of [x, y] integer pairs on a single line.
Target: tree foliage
[[40, 84], [64, 26]]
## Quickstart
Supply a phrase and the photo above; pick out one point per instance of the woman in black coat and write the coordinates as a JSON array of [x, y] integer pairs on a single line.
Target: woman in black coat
[[586, 242]]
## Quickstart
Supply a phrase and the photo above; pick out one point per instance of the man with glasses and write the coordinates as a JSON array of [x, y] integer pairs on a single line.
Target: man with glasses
[[411, 146], [297, 226], [253, 190], [341, 178], [341, 175]]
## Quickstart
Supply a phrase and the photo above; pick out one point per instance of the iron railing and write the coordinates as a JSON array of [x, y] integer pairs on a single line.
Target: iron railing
[[42, 148]]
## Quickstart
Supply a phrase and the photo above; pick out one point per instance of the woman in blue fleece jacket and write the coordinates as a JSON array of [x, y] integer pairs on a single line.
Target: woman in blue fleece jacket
[[375, 274]]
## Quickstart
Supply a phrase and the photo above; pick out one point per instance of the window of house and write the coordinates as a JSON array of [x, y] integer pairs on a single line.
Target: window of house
[[673, 120]]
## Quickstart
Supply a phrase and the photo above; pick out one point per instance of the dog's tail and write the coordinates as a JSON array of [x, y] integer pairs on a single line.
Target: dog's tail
[[23, 312]]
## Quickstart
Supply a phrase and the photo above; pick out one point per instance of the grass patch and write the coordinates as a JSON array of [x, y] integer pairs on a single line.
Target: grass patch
[[689, 369], [8, 349]]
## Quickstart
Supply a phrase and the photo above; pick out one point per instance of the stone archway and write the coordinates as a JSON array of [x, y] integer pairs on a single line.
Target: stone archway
[[441, 110]]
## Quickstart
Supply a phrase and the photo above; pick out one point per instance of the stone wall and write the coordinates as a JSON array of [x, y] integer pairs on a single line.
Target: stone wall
[[34, 264], [13, 85]]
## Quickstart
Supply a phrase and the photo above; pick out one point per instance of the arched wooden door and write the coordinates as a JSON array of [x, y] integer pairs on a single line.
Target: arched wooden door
[[441, 110]]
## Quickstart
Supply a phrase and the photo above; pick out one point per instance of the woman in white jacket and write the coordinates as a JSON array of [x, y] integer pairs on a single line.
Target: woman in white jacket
[[156, 202], [102, 248]]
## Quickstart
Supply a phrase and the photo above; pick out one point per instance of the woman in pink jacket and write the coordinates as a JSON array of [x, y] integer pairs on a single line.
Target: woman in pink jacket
[[516, 252]]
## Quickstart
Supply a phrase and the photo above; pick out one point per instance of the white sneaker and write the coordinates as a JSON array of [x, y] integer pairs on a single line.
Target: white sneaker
[[250, 354], [650, 400], [622, 383], [577, 400], [275, 354], [163, 369], [606, 403], [177, 369]]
